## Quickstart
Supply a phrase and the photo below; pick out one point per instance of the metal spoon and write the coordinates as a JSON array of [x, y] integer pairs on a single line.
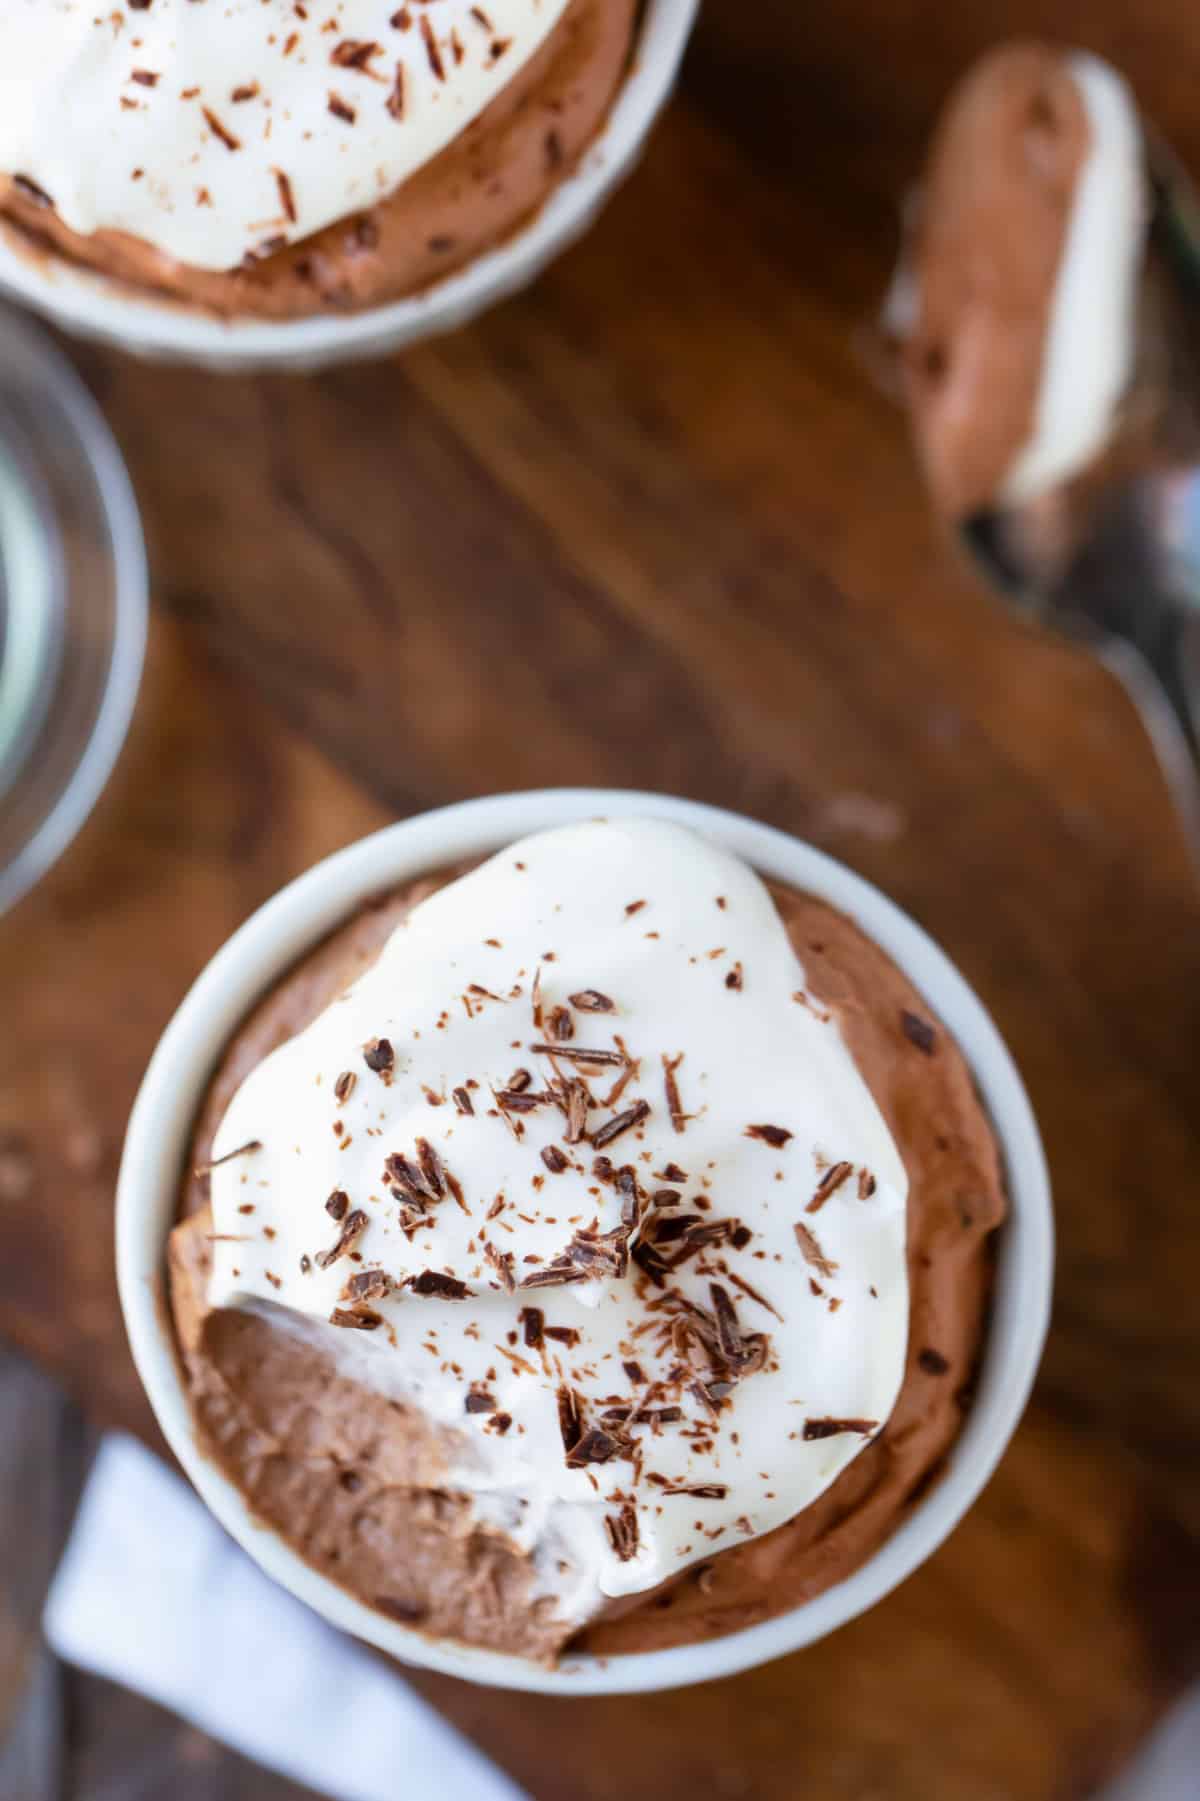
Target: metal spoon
[[1111, 555], [1114, 562]]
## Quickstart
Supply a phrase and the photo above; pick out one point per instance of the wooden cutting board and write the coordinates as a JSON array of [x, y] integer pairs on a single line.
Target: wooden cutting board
[[652, 524]]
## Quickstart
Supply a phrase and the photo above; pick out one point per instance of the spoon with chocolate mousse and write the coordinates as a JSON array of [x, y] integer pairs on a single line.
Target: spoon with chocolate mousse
[[1046, 320]]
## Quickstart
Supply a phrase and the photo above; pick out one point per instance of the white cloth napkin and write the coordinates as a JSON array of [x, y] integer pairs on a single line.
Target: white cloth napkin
[[152, 1594]]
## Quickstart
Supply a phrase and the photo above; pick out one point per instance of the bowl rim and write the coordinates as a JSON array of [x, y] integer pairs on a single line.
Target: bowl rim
[[85, 302], [297, 917], [88, 448]]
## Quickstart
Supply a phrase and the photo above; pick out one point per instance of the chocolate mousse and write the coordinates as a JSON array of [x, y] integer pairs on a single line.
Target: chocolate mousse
[[276, 161], [592, 1250]]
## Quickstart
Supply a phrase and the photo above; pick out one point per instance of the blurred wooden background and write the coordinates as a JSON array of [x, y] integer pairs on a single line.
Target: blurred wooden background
[[652, 524]]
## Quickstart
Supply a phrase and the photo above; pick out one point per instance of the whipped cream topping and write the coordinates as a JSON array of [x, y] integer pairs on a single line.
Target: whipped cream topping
[[217, 130], [1087, 362], [579, 1168]]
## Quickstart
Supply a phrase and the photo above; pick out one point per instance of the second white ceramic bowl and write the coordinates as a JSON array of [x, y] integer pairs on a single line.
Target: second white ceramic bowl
[[286, 927], [83, 302]]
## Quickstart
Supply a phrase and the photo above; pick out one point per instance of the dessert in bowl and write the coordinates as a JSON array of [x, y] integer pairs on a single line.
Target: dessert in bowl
[[282, 186], [591, 1293]]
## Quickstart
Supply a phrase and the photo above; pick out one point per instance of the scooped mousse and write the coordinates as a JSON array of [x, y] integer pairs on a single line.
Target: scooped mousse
[[1016, 304], [265, 159], [592, 1247]]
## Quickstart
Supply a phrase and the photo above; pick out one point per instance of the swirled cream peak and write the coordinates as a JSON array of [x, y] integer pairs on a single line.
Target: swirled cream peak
[[221, 129], [579, 1168]]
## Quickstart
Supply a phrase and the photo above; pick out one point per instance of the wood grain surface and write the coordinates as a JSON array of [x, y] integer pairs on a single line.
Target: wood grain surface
[[653, 524]]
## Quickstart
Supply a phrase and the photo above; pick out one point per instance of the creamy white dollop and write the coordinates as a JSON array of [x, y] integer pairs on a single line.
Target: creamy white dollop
[[220, 129], [654, 1341]]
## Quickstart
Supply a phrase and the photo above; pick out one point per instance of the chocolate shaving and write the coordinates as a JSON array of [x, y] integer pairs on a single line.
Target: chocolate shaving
[[650, 1263], [577, 1054], [752, 1294], [519, 1081], [674, 1104], [596, 1254], [536, 998], [702, 1491], [204, 1169], [728, 1334], [343, 1088], [775, 1136], [829, 1428], [533, 1322], [380, 1058], [746, 1353], [569, 1423], [918, 1031], [734, 978], [577, 1110], [634, 1371], [395, 99], [515, 1100], [286, 198], [667, 1229], [634, 907], [408, 1181], [559, 1024], [340, 110], [595, 1446], [623, 1122], [462, 1100], [478, 1400], [554, 1159], [754, 1352], [438, 1283], [355, 53], [622, 1529], [361, 1319], [866, 1184], [432, 49], [829, 1184], [502, 1262], [220, 131], [555, 1275], [369, 1285], [431, 1168], [353, 1228], [701, 1393], [673, 1173], [563, 1334], [709, 1231], [590, 1000], [811, 1251], [627, 1188]]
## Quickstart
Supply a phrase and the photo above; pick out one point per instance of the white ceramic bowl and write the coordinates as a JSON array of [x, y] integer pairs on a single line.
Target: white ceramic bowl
[[86, 303], [283, 929]]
